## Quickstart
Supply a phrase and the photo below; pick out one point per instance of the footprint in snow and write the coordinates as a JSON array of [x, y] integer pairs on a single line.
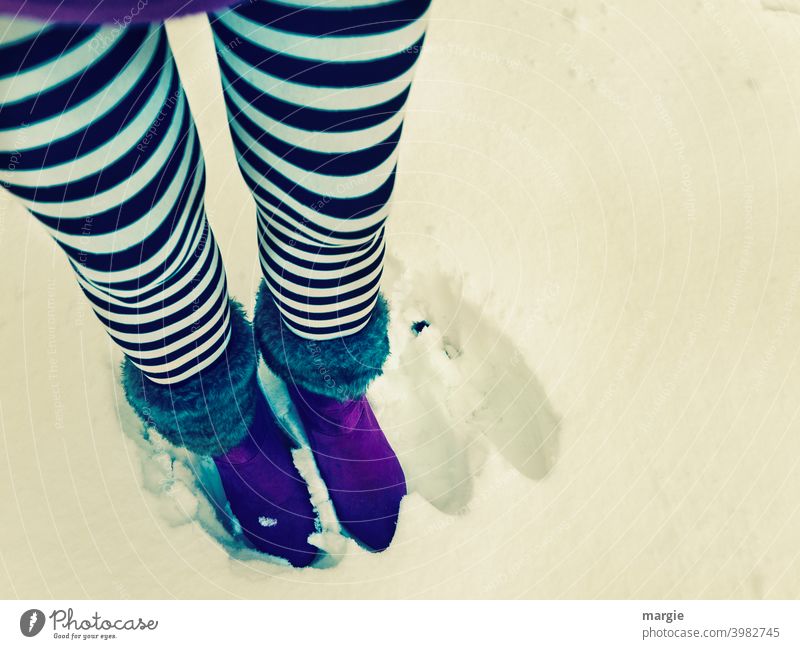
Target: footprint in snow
[[454, 383]]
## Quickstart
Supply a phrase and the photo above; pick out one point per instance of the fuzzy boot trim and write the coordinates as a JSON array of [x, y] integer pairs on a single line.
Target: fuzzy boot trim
[[210, 412], [341, 368]]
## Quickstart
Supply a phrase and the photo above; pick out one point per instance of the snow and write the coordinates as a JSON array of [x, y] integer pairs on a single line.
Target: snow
[[596, 213]]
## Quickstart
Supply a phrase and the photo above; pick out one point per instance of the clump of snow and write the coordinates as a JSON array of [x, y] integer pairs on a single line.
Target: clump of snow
[[455, 388]]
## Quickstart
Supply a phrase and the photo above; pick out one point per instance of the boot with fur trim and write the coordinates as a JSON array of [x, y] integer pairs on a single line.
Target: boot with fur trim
[[222, 412], [327, 380]]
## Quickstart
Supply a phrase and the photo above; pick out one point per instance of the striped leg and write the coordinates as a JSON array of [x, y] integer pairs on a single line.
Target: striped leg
[[315, 94], [96, 139]]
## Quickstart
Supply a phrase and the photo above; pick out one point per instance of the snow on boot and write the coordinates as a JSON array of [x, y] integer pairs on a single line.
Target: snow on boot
[[222, 412]]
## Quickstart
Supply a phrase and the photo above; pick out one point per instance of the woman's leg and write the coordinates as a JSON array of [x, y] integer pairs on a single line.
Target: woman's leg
[[97, 140], [315, 93], [315, 96]]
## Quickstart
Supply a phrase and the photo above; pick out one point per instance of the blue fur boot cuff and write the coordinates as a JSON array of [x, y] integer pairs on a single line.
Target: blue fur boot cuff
[[210, 412], [341, 368]]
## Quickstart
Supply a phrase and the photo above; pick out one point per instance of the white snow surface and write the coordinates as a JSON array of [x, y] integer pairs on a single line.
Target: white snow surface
[[596, 211]]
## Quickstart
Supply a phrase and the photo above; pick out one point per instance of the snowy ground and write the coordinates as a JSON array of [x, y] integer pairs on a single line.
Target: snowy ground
[[597, 212]]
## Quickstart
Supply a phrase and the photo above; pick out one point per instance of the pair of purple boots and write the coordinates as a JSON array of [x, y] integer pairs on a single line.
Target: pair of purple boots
[[270, 498], [222, 412]]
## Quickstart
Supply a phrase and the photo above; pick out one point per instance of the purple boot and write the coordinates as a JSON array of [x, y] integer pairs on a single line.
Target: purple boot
[[266, 493], [327, 380], [364, 478], [222, 412]]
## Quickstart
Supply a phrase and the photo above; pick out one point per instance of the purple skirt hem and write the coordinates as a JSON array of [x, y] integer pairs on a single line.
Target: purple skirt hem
[[114, 12]]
